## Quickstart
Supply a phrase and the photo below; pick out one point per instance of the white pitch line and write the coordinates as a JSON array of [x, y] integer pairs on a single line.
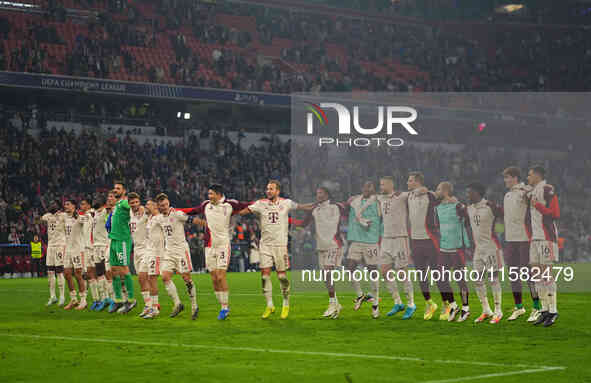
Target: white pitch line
[[277, 351], [466, 378]]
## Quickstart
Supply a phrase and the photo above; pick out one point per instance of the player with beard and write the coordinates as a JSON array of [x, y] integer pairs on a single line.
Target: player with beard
[[153, 256], [273, 215], [120, 250], [137, 225]]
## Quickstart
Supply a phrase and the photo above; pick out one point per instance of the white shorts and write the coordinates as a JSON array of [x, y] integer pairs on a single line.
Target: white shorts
[[396, 252], [217, 258], [74, 259], [274, 255], [543, 252], [99, 254], [152, 263], [488, 260], [88, 258], [330, 258], [366, 253], [55, 255], [178, 261], [255, 256], [139, 261]]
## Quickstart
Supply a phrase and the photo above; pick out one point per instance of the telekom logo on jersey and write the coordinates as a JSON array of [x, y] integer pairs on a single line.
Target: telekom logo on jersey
[[392, 118]]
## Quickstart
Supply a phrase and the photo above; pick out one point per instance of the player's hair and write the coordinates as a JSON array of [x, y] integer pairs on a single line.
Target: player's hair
[[58, 206], [325, 190], [98, 202], [418, 176], [88, 201], [447, 186], [478, 188], [120, 182], [512, 171], [217, 188], [276, 183], [161, 197], [72, 201], [133, 195], [389, 178], [539, 169]]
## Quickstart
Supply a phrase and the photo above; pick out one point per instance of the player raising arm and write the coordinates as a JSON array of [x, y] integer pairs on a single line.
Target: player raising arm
[[120, 250], [273, 214], [218, 211], [176, 254]]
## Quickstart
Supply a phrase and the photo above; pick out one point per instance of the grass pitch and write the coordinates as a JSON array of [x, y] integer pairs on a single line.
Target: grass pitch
[[53, 345]]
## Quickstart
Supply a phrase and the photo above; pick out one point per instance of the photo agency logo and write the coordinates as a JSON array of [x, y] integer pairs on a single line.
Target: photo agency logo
[[390, 116]]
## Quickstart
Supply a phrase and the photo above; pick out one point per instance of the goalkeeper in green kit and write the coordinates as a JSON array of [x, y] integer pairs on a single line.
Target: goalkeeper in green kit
[[120, 250]]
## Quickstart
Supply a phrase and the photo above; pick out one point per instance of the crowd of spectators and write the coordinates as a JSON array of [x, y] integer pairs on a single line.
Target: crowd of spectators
[[85, 164], [317, 52]]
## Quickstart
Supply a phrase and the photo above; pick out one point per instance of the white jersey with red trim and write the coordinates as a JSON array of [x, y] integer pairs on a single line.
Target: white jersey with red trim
[[420, 210], [218, 216], [327, 217], [543, 213], [100, 237], [73, 233], [155, 240], [274, 219], [482, 222], [515, 209], [56, 228], [86, 232], [394, 209], [173, 225], [137, 227]]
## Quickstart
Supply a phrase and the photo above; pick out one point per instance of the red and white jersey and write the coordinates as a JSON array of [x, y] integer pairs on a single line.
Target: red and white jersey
[[73, 233], [155, 241], [56, 228], [274, 218], [100, 237], [542, 215], [173, 225], [327, 217], [515, 209], [137, 227], [421, 211], [218, 217], [394, 209], [482, 222], [86, 232]]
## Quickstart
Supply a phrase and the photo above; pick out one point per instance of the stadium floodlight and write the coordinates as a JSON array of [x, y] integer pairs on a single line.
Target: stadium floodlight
[[179, 114], [187, 116]]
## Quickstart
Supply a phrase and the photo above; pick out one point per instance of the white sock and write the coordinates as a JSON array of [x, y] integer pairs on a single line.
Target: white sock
[[410, 292], [375, 290], [392, 287], [481, 292], [357, 287], [101, 287], [147, 299], [268, 290], [51, 277], [333, 301], [94, 290], [543, 293], [284, 284], [192, 291], [551, 287], [61, 283], [73, 295], [110, 291], [218, 297], [224, 299], [155, 302], [172, 292], [466, 308], [497, 294]]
